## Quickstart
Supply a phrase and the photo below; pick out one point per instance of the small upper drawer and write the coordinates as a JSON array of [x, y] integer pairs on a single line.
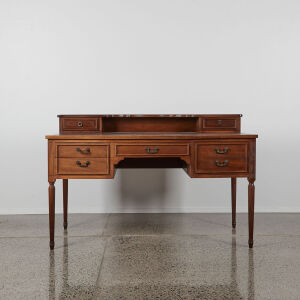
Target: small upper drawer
[[152, 149], [80, 124], [221, 124], [80, 150]]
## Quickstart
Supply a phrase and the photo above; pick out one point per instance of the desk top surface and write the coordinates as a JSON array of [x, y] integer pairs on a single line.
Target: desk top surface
[[151, 115], [152, 135]]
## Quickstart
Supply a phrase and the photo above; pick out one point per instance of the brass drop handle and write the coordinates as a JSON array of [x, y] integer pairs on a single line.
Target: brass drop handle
[[219, 151], [78, 163], [220, 122], [150, 151], [87, 150], [223, 164], [79, 124]]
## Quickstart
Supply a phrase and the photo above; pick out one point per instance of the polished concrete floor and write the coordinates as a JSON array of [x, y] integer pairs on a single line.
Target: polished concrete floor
[[150, 256]]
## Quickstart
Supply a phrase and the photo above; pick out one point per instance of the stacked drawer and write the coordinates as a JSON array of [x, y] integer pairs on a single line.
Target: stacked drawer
[[221, 158], [82, 159]]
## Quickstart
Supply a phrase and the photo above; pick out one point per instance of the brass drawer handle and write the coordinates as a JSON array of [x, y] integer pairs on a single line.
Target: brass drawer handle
[[219, 151], [87, 150], [78, 163], [155, 150], [220, 122], [79, 124], [224, 164]]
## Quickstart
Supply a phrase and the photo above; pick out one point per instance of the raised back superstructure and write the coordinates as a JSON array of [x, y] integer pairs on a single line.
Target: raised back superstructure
[[98, 124]]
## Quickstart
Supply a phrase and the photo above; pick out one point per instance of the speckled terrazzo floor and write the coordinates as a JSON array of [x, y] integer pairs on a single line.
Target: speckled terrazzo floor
[[150, 256]]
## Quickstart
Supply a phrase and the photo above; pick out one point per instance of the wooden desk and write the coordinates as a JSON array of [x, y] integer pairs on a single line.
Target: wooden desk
[[204, 146]]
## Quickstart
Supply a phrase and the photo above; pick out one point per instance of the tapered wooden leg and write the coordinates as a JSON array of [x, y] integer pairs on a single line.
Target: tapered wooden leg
[[233, 201], [251, 193], [65, 198], [51, 212]]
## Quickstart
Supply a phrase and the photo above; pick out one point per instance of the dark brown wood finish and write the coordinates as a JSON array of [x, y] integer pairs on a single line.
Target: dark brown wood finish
[[79, 124], [65, 202], [204, 146], [51, 212], [221, 157], [150, 124], [90, 124], [76, 166], [152, 149], [233, 201], [222, 123], [82, 151], [251, 191]]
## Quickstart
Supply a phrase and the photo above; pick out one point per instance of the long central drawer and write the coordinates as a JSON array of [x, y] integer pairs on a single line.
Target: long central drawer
[[150, 149]]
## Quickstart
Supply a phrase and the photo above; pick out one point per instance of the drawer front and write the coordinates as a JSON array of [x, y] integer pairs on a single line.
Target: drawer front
[[152, 149], [221, 124], [221, 158], [80, 124], [82, 151], [77, 166]]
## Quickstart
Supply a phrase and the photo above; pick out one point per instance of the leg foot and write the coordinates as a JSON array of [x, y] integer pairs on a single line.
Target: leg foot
[[65, 225], [250, 242], [51, 244]]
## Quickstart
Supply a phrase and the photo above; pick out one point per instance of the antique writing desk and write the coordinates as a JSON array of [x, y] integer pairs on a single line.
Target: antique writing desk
[[205, 146]]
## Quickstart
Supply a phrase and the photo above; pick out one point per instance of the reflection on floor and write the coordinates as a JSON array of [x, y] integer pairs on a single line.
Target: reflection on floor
[[150, 256]]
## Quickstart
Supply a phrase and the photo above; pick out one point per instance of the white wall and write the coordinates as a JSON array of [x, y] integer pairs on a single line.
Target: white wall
[[158, 56]]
